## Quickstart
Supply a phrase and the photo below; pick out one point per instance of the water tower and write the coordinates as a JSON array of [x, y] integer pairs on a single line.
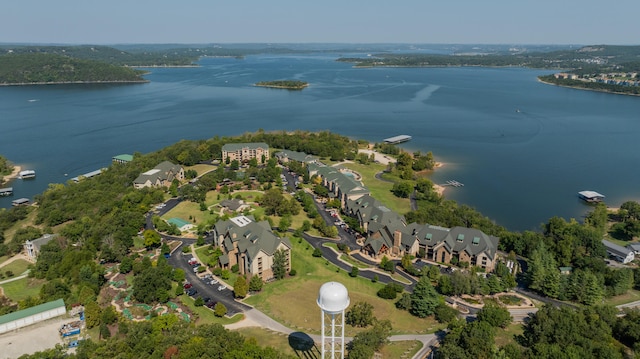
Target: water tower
[[333, 299]]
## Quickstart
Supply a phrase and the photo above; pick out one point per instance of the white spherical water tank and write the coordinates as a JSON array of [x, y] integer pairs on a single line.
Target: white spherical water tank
[[333, 299]]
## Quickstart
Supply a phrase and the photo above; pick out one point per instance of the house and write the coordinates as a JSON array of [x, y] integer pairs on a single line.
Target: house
[[285, 156], [32, 248], [160, 176], [635, 247], [618, 253], [438, 244], [243, 152], [234, 205], [251, 245]]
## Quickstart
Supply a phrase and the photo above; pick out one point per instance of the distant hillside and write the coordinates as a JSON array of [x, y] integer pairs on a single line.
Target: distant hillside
[[37, 68], [599, 58]]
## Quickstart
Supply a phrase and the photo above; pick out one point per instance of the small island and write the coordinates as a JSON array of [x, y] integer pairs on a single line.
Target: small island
[[284, 84]]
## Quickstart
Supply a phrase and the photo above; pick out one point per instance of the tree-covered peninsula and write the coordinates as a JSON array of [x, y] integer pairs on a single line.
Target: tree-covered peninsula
[[38, 68], [284, 84]]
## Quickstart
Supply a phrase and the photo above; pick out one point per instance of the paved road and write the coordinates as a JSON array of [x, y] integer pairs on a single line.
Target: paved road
[[180, 260]]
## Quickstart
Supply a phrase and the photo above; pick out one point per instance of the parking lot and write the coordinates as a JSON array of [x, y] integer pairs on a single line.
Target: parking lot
[[31, 339]]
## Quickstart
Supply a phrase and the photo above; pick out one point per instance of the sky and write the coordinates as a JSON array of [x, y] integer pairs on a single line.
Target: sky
[[322, 21]]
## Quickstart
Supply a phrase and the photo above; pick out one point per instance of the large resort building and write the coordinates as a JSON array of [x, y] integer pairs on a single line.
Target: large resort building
[[251, 245], [160, 176], [243, 152], [388, 233]]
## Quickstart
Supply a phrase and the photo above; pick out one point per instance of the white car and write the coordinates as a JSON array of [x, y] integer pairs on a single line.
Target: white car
[[220, 288], [213, 282]]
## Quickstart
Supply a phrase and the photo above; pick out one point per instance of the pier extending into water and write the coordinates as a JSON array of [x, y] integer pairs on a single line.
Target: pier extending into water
[[453, 183]]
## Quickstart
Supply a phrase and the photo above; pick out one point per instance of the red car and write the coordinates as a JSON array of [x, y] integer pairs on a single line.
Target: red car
[[187, 285]]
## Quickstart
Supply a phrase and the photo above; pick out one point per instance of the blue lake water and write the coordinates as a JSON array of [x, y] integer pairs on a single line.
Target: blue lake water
[[523, 149]]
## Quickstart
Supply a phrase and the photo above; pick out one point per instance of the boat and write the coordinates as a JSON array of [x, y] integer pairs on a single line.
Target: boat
[[6, 191], [591, 196], [26, 174]]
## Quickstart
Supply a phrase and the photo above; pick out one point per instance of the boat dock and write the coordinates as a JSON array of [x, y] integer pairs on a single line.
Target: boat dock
[[27, 174], [453, 183], [591, 196], [397, 139], [20, 202], [6, 191]]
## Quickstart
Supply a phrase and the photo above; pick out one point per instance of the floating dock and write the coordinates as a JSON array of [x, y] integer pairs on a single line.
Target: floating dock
[[87, 175], [20, 202], [6, 191], [27, 174], [397, 139], [591, 196], [454, 183]]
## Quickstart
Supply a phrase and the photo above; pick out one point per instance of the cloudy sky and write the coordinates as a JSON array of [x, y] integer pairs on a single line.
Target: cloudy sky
[[321, 21]]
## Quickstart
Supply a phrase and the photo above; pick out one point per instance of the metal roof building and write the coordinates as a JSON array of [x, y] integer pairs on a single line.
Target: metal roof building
[[25, 317]]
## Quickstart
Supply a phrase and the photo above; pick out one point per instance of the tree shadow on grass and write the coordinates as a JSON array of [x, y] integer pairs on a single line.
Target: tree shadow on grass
[[304, 346]]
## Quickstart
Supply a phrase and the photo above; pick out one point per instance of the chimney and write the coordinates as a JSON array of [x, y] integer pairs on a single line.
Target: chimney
[[397, 237]]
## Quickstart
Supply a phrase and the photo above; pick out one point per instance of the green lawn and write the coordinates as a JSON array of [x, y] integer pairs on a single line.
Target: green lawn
[[205, 315], [3, 259], [508, 334], [404, 349], [630, 296], [201, 168], [292, 301], [380, 190], [267, 338], [18, 267], [22, 288]]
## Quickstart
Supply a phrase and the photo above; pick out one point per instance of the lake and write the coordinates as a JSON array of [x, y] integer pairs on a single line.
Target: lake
[[523, 149]]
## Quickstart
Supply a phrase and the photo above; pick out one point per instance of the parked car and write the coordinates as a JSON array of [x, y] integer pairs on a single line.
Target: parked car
[[191, 292], [220, 288], [207, 300], [211, 304], [213, 281], [187, 285]]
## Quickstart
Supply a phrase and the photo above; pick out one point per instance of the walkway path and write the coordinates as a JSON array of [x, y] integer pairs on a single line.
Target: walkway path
[[255, 318]]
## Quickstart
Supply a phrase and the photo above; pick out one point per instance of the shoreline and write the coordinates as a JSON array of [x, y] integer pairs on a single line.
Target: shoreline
[[74, 83], [588, 89], [13, 175]]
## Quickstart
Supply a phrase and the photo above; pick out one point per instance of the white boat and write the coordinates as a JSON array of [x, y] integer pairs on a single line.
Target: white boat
[[27, 174]]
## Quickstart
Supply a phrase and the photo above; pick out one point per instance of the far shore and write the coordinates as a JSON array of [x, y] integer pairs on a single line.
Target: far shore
[[589, 89], [73, 83]]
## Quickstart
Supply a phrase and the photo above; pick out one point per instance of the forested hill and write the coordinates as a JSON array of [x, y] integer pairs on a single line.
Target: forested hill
[[37, 68], [598, 57]]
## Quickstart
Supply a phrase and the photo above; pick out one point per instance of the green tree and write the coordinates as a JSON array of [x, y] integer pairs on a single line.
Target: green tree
[[92, 313], [424, 298], [199, 302], [495, 315], [219, 310], [255, 283], [151, 238], [279, 266], [354, 272], [360, 315], [240, 287]]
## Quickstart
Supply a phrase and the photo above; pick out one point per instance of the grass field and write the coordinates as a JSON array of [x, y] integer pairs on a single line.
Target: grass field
[[630, 296], [205, 315], [293, 301], [22, 288], [266, 338], [201, 168], [404, 349], [18, 267], [508, 334], [380, 190]]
